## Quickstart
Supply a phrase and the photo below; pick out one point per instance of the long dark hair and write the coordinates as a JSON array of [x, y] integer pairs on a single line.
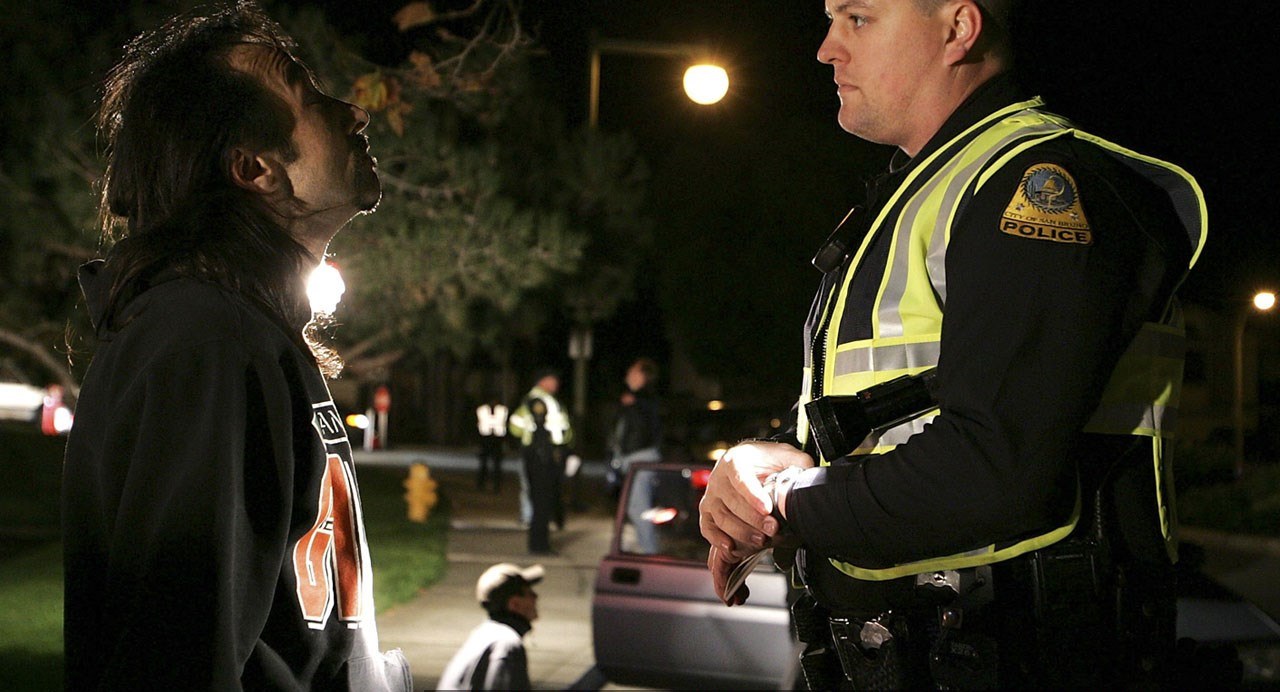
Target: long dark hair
[[173, 109]]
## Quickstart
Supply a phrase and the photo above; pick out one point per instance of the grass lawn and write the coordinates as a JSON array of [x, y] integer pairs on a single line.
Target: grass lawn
[[407, 556], [31, 620]]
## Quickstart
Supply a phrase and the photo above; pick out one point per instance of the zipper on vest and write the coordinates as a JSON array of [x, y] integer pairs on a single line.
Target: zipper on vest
[[819, 343]]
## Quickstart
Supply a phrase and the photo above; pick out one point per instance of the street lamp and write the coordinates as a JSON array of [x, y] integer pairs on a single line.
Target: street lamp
[[1263, 301], [705, 83]]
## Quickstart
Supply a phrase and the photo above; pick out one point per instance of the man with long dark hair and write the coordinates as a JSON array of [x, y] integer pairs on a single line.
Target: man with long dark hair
[[214, 538]]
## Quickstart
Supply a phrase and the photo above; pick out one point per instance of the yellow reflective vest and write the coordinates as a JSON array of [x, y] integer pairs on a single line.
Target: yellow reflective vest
[[1141, 397], [540, 405]]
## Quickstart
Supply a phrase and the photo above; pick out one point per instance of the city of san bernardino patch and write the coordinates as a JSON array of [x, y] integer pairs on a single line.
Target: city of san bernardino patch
[[1046, 206]]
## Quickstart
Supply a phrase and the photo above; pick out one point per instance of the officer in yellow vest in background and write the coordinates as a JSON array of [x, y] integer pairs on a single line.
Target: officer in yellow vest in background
[[1020, 532], [542, 426]]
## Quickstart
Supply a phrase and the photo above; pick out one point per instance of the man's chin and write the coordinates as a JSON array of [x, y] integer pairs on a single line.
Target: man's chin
[[369, 199]]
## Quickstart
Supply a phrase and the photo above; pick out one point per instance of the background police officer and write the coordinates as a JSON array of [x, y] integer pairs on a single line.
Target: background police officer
[[1021, 533], [542, 426]]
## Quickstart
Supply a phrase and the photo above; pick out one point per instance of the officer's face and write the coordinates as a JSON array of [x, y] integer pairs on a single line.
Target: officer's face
[[887, 61]]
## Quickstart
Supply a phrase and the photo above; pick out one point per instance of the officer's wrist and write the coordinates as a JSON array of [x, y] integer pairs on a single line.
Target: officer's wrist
[[778, 485]]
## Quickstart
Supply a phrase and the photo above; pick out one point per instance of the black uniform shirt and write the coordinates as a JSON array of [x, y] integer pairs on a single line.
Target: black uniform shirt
[[1032, 332]]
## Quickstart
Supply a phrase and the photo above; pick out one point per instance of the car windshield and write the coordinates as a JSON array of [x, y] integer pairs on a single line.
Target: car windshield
[[661, 516]]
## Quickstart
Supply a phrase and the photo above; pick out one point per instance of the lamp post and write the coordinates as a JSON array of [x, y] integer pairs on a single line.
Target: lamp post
[[1262, 302], [705, 83]]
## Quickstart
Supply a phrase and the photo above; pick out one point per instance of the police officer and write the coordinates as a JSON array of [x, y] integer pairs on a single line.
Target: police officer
[[1021, 533], [542, 426], [491, 423]]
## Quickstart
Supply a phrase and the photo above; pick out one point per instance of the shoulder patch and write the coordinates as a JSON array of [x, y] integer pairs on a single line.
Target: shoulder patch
[[1046, 206]]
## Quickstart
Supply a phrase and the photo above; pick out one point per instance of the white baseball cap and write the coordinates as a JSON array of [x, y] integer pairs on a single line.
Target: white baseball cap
[[502, 574]]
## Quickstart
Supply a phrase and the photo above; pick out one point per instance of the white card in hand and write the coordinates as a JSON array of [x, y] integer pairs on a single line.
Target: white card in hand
[[738, 576]]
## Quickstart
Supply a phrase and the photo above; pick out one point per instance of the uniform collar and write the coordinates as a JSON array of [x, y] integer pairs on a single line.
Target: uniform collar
[[994, 94]]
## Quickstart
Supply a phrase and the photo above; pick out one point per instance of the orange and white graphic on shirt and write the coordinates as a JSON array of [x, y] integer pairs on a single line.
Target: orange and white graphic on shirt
[[327, 559]]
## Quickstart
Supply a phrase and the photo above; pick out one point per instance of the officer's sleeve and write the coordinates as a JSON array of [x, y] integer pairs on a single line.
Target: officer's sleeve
[[520, 421], [1034, 326]]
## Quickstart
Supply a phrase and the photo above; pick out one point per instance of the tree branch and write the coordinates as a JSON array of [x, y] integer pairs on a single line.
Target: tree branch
[[41, 355]]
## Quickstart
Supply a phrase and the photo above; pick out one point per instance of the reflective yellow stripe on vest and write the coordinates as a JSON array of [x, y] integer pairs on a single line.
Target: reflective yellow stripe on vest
[[1142, 395]]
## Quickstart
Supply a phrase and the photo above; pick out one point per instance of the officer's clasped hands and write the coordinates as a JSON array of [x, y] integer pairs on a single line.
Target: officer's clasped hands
[[734, 512]]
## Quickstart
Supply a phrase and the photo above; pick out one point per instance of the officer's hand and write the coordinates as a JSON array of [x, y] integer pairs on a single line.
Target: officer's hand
[[734, 512], [721, 565]]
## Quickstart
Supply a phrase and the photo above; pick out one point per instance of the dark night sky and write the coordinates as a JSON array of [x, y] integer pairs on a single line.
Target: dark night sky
[[1192, 83], [1188, 82]]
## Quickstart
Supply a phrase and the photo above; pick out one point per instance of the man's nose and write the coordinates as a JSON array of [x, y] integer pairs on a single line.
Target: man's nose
[[361, 117], [829, 50]]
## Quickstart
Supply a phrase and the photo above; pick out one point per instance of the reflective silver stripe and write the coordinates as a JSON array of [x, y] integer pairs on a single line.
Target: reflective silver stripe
[[889, 310], [935, 260], [885, 358], [894, 436], [1133, 419]]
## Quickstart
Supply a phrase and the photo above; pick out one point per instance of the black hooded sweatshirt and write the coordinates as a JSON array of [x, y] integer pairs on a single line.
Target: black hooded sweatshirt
[[214, 537]]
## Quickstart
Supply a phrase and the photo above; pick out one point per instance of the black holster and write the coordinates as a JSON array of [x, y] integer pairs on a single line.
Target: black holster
[[848, 652], [818, 661]]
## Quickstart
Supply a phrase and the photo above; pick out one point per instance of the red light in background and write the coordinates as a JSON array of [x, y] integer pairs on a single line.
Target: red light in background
[[700, 478]]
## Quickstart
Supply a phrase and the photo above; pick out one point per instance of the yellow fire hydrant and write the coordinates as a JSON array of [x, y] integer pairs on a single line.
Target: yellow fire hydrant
[[421, 493]]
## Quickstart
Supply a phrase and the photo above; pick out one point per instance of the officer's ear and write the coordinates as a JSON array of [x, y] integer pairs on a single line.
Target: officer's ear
[[964, 23]]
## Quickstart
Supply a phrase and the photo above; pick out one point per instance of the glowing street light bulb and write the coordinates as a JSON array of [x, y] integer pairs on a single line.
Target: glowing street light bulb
[[706, 84], [1264, 300], [325, 288]]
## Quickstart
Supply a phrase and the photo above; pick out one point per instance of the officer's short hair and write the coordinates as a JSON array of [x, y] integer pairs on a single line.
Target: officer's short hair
[[999, 10], [545, 372], [647, 366]]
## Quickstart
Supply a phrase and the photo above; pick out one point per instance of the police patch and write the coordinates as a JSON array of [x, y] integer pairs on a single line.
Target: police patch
[[1046, 206]]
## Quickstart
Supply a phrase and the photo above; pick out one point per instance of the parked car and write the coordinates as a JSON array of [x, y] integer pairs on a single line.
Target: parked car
[[656, 620], [20, 401]]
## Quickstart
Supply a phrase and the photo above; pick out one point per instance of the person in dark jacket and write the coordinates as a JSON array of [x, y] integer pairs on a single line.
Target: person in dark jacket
[[493, 656], [214, 538], [637, 431], [1021, 273]]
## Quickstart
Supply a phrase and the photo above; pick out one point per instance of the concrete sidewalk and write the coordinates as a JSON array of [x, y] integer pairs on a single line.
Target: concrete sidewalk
[[485, 529]]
